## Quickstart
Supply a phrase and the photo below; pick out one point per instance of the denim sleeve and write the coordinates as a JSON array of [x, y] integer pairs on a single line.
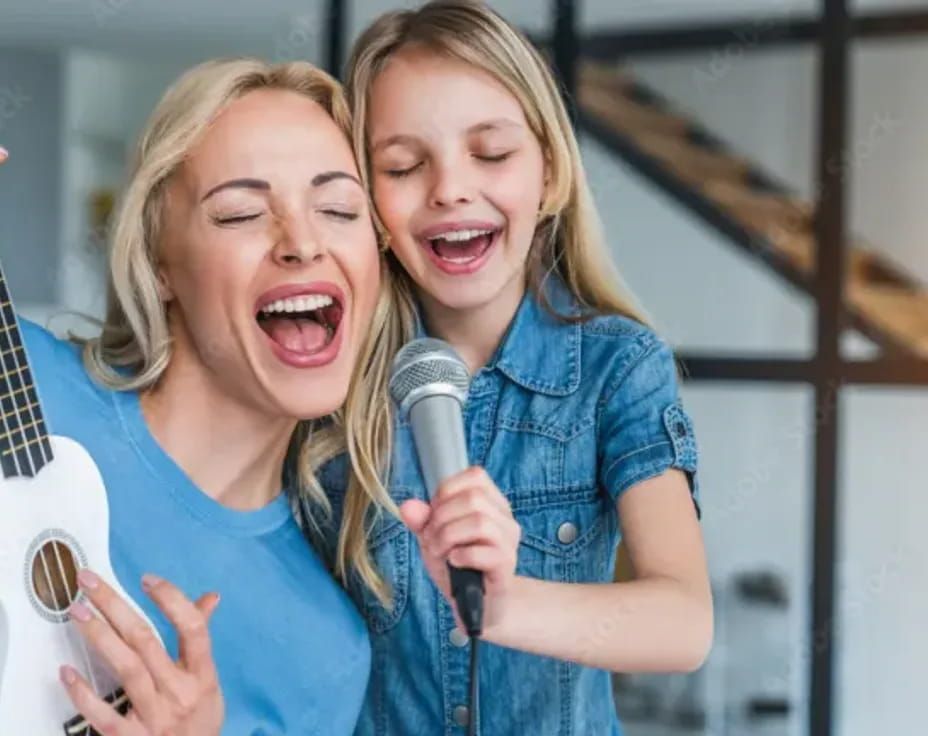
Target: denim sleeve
[[643, 428], [322, 532]]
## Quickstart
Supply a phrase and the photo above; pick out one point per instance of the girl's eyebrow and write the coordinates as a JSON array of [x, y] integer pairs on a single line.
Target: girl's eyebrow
[[405, 139]]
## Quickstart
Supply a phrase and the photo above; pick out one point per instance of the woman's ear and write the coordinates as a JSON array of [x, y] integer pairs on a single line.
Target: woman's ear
[[165, 292]]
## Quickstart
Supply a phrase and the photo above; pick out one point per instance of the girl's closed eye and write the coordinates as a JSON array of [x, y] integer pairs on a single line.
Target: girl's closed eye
[[494, 158], [345, 214], [399, 172]]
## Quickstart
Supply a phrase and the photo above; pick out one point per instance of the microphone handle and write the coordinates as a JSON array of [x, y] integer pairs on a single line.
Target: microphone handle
[[467, 591], [438, 432]]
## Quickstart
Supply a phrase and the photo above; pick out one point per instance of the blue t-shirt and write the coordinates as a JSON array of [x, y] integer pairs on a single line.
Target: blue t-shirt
[[292, 652]]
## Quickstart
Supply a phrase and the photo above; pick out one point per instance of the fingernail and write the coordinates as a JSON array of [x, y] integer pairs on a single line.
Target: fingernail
[[67, 674], [80, 612], [150, 582], [87, 579]]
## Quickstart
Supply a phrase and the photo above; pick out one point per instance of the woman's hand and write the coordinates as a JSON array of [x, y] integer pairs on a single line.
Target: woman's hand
[[168, 698], [469, 524]]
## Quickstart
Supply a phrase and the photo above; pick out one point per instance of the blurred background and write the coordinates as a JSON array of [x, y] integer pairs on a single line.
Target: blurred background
[[727, 160]]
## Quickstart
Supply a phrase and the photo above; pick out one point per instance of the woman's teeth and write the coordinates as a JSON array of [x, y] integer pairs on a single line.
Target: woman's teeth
[[309, 303]]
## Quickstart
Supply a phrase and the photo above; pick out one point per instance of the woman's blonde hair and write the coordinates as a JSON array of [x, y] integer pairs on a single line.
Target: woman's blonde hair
[[568, 242], [134, 346]]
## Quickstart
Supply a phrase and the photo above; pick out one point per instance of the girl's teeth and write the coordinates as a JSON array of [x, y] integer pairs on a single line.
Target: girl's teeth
[[459, 236]]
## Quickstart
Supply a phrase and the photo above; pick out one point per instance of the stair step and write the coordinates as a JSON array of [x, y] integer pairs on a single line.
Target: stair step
[[692, 163], [614, 79], [902, 313], [627, 115], [876, 290], [769, 213]]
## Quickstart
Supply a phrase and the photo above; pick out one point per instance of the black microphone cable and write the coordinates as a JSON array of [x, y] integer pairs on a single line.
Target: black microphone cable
[[473, 705], [467, 590]]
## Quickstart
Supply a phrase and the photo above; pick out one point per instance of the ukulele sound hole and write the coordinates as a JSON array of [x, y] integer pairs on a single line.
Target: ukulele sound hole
[[54, 575]]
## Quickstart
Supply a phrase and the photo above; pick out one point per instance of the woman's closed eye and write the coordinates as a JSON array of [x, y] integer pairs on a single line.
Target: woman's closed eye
[[235, 219]]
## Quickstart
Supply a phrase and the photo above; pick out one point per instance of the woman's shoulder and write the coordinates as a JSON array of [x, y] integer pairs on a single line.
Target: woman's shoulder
[[57, 367], [44, 349]]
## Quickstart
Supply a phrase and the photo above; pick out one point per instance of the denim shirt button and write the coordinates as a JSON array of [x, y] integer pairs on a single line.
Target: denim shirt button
[[461, 715], [567, 532], [457, 637]]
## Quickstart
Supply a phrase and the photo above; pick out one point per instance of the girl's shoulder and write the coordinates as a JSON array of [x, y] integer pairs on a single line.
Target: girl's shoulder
[[614, 344]]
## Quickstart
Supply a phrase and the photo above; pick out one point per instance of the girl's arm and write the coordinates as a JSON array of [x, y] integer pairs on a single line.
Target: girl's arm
[[660, 622]]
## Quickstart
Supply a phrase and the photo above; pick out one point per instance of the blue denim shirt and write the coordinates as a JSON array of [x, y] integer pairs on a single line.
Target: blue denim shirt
[[565, 417]]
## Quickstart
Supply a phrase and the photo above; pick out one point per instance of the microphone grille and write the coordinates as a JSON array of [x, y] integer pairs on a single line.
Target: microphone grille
[[425, 367]]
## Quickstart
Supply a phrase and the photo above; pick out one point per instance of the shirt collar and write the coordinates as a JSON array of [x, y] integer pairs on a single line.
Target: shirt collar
[[539, 351]]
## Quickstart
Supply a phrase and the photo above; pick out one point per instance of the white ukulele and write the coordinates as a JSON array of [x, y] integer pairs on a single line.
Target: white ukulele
[[54, 520]]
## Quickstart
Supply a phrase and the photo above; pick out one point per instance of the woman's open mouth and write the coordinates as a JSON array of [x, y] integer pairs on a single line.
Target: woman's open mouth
[[303, 329], [461, 251]]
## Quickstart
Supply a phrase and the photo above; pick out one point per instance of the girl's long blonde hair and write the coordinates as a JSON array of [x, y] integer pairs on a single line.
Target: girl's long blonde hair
[[134, 346], [568, 242]]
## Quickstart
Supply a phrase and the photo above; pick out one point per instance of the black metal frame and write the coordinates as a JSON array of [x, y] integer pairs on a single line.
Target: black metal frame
[[746, 34], [826, 371], [337, 25]]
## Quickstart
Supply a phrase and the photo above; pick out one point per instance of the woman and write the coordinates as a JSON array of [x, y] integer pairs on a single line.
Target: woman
[[245, 277], [574, 410]]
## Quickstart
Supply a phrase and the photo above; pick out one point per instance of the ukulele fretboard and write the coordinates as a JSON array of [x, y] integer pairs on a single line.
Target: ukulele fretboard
[[24, 445]]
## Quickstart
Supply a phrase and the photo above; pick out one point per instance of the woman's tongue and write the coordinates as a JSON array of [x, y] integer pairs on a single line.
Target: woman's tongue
[[462, 251], [297, 334]]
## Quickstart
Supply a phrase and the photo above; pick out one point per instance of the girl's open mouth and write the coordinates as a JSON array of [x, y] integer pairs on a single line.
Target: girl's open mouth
[[461, 251]]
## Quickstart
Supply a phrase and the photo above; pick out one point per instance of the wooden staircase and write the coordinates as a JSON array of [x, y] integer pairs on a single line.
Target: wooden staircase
[[727, 190]]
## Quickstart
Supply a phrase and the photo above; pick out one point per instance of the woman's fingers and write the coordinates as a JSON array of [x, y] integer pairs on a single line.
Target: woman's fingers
[[96, 711], [132, 628], [125, 663], [190, 620]]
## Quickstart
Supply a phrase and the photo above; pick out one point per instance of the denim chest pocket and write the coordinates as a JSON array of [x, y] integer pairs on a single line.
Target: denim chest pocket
[[548, 472], [389, 547]]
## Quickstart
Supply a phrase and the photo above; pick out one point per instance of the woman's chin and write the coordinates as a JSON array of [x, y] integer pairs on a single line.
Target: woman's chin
[[330, 399]]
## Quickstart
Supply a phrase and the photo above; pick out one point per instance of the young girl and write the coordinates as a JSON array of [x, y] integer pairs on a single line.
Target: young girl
[[573, 413]]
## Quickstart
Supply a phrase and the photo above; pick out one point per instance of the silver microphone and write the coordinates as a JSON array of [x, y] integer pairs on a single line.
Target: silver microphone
[[429, 384]]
